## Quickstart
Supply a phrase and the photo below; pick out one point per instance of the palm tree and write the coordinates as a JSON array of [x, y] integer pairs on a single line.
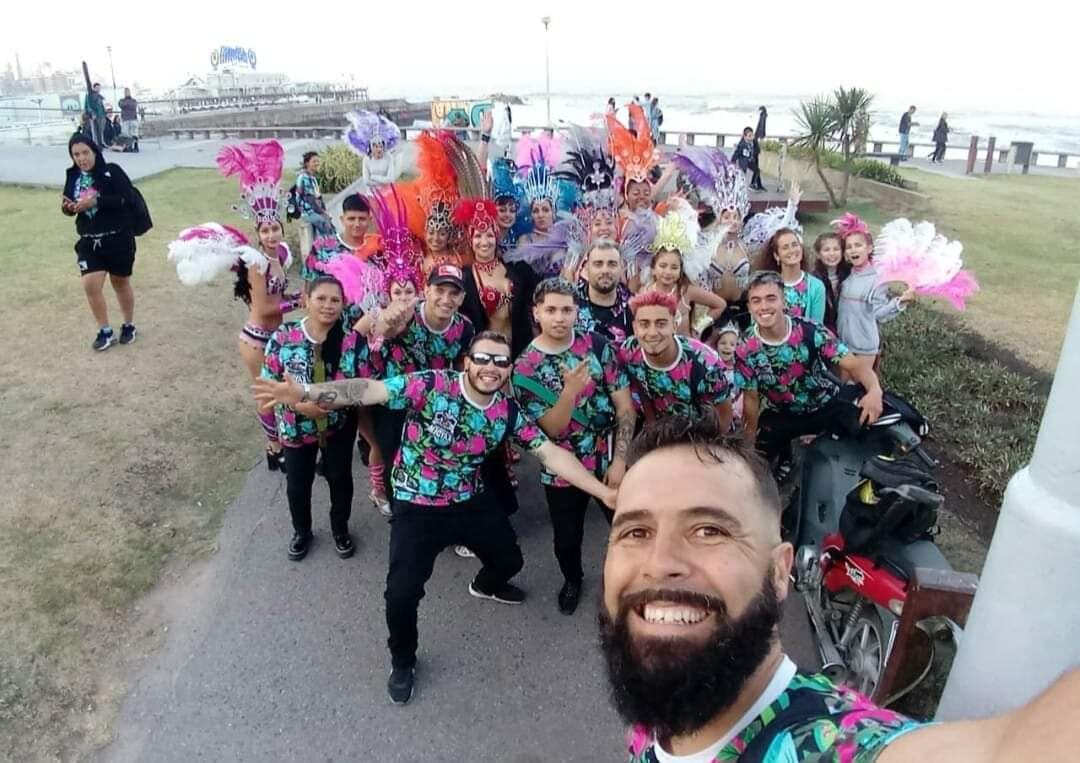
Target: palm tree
[[851, 105], [817, 120]]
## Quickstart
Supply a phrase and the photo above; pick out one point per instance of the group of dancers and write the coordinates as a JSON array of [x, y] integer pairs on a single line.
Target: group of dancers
[[556, 303]]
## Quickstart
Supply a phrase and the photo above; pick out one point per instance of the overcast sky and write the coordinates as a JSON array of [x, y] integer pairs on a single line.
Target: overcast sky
[[972, 55]]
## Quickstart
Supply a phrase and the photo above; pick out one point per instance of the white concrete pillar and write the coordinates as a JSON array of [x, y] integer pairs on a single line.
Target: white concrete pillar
[[1024, 628]]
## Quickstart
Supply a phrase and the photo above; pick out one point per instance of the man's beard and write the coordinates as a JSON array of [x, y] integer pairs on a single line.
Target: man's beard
[[604, 287], [675, 686]]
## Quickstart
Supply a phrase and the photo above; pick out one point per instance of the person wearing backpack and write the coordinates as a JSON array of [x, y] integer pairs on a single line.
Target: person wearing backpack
[[575, 389], [108, 214], [454, 420]]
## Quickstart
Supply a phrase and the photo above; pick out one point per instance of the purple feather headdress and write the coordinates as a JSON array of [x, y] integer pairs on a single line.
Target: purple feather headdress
[[368, 129], [719, 183]]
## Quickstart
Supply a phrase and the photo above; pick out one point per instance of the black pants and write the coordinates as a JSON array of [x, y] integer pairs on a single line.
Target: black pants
[[567, 507], [337, 468], [939, 152], [777, 430], [417, 535], [388, 425]]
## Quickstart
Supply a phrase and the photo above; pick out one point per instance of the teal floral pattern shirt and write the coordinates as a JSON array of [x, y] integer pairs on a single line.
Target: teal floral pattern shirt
[[693, 383], [790, 375], [417, 348], [447, 437], [593, 405], [812, 720]]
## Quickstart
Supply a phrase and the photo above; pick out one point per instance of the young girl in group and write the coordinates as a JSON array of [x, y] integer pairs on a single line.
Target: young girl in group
[[831, 270], [205, 251], [804, 294], [315, 349], [863, 303], [727, 339]]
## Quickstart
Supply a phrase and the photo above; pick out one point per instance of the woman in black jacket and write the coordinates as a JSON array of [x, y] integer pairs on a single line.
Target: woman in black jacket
[[98, 195], [941, 137]]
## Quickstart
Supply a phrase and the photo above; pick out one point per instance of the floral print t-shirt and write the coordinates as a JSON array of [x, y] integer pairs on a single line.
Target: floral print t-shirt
[[447, 437], [593, 404], [790, 375], [694, 383], [417, 348], [325, 248], [812, 720], [84, 187], [291, 349], [615, 323]]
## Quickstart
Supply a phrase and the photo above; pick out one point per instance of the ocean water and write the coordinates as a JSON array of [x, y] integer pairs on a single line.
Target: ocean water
[[731, 113]]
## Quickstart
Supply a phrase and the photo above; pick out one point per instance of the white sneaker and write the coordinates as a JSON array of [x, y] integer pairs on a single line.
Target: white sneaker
[[464, 552], [381, 504]]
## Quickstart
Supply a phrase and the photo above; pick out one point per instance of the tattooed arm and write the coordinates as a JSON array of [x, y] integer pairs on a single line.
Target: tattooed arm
[[563, 464], [338, 394], [625, 422]]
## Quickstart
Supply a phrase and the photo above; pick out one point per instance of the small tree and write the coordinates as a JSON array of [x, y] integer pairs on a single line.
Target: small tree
[[817, 120], [851, 105]]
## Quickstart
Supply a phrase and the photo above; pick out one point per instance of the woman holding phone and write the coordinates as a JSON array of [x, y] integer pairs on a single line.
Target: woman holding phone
[[97, 195]]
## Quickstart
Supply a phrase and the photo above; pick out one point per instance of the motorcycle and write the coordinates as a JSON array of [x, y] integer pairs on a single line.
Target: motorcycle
[[862, 519]]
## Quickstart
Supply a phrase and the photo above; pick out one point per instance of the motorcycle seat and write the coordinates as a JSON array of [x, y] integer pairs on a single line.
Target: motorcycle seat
[[905, 557]]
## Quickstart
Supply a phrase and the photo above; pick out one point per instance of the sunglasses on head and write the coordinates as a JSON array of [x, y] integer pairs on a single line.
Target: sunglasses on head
[[484, 358]]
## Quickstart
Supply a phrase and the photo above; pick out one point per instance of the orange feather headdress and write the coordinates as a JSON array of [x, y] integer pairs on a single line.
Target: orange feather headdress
[[636, 156]]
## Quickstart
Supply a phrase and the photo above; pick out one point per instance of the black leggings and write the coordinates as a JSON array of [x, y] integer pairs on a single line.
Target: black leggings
[[567, 507], [417, 535], [337, 468]]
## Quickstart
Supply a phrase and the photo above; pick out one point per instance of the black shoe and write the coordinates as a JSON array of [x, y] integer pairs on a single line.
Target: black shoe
[[104, 340], [344, 545], [505, 594], [365, 451], [299, 545], [569, 596], [127, 333], [400, 685]]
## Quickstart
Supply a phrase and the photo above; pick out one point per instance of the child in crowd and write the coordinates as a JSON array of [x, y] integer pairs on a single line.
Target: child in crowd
[[831, 269], [724, 339], [863, 302]]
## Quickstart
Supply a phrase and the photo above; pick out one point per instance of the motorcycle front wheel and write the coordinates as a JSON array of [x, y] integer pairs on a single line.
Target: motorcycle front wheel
[[865, 653]]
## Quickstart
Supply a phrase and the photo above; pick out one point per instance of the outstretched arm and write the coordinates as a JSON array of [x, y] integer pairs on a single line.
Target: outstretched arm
[[625, 421], [562, 463], [329, 395]]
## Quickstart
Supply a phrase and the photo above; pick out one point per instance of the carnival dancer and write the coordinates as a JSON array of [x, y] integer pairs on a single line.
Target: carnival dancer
[[635, 156], [497, 294], [98, 195], [353, 240], [804, 293], [314, 349], [671, 374], [508, 193], [546, 194], [781, 365], [572, 385], [677, 262], [314, 220], [374, 139], [454, 420], [864, 302], [206, 251]]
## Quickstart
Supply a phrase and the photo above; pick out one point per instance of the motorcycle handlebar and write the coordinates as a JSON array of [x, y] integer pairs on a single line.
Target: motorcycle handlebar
[[925, 457]]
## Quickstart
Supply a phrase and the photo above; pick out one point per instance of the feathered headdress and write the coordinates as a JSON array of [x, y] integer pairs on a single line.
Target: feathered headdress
[[436, 186], [536, 160], [368, 129], [471, 181], [635, 155], [506, 185], [678, 231], [259, 165], [565, 244], [718, 182], [203, 252], [764, 225], [925, 260], [849, 224], [473, 214], [364, 283], [390, 214], [590, 169]]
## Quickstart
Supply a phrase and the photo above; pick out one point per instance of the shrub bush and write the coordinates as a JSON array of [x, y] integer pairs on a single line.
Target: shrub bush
[[339, 167], [871, 169]]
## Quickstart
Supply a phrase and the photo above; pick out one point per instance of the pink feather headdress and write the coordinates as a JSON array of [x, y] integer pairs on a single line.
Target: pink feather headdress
[[850, 223], [258, 165], [920, 257]]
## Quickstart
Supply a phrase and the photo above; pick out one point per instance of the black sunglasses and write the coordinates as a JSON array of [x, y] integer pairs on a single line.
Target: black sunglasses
[[483, 358]]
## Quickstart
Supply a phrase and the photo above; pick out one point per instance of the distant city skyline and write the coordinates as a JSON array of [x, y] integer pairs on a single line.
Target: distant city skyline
[[973, 58]]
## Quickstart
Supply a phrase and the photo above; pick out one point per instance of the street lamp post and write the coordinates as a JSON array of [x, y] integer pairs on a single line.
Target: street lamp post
[[112, 71], [547, 67]]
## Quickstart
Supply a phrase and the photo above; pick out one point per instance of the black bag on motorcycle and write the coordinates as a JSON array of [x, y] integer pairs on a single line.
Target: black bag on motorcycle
[[895, 501]]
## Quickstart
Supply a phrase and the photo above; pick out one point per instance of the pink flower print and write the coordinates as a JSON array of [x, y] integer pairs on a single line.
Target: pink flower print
[[784, 378], [442, 383], [681, 372], [477, 445], [524, 368], [637, 739], [796, 335], [427, 471], [796, 370], [412, 431], [748, 347]]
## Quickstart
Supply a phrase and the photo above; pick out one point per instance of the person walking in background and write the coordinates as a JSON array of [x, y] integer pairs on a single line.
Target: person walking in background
[[656, 118], [744, 152], [94, 105], [129, 116], [759, 135], [941, 138], [905, 129]]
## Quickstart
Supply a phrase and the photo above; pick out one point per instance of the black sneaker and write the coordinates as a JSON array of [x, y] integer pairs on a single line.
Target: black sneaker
[[104, 340], [569, 596], [505, 594], [299, 545], [127, 333], [344, 545], [400, 685]]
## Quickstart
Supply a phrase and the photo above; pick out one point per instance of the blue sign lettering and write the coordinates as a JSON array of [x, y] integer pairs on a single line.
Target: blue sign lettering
[[231, 56]]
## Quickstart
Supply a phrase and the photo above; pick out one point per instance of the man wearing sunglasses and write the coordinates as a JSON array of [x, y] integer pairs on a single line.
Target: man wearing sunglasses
[[673, 375], [571, 384], [454, 420]]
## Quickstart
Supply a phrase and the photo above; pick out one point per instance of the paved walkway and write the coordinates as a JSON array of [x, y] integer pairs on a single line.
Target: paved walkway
[[955, 168], [266, 659]]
